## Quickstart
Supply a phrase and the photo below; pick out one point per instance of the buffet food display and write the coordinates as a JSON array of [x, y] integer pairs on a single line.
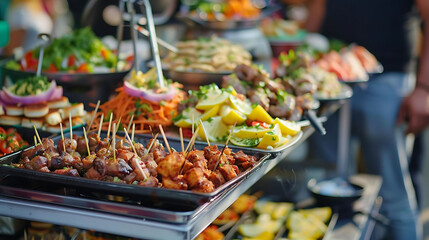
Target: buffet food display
[[245, 126]]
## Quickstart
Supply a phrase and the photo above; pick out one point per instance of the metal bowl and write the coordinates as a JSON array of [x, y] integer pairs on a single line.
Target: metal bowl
[[78, 87], [335, 192]]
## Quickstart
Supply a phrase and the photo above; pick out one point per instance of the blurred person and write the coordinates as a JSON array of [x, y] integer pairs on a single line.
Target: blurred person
[[389, 29], [28, 18]]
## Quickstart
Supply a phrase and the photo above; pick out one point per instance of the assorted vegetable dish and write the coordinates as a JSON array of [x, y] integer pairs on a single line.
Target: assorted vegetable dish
[[78, 52]]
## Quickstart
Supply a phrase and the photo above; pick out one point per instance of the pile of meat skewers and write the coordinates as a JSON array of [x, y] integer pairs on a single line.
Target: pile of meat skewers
[[133, 163], [280, 98]]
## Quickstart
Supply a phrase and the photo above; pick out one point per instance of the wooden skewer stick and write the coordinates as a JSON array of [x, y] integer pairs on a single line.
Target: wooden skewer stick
[[62, 136], [130, 123], [114, 141], [93, 115], [101, 125], [205, 133], [86, 141], [152, 143], [132, 133], [131, 142], [37, 134], [191, 142], [223, 149], [71, 126], [165, 138], [181, 140], [117, 124], [135, 152], [193, 122], [110, 124], [151, 131]]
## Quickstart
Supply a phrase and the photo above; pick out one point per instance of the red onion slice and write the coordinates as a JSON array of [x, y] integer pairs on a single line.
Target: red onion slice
[[9, 97], [149, 95]]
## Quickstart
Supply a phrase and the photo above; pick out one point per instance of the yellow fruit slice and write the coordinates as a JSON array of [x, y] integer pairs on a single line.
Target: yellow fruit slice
[[243, 107], [245, 142], [322, 213], [231, 116], [265, 207], [183, 123], [187, 116], [250, 132], [259, 114], [250, 230], [282, 141], [210, 113], [215, 129], [282, 210], [212, 99], [287, 127], [192, 113], [271, 138], [262, 236]]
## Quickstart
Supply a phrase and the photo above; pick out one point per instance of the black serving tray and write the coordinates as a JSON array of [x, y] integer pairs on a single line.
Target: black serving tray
[[158, 194]]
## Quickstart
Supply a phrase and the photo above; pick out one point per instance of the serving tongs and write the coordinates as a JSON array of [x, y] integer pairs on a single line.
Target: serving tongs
[[47, 40], [133, 24]]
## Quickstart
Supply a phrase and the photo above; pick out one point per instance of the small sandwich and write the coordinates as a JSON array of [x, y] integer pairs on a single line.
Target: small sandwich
[[75, 110], [54, 128], [53, 118], [10, 120], [77, 121], [63, 102], [36, 110], [30, 122], [12, 110]]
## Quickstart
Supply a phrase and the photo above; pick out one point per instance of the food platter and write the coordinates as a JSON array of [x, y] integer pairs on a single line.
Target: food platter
[[222, 25], [345, 93], [77, 86], [156, 194], [272, 152]]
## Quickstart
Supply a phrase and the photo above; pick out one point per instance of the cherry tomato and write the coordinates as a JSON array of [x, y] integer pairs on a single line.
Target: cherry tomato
[[104, 53], [2, 130], [52, 68], [31, 61], [4, 147], [71, 61], [187, 132], [255, 123], [82, 68]]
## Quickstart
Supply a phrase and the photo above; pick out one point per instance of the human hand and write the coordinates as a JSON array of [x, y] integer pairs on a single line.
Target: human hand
[[415, 109]]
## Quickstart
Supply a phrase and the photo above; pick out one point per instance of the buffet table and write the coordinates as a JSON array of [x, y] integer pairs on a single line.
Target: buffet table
[[357, 227]]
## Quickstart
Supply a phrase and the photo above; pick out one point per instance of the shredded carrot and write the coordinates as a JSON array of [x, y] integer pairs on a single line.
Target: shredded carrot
[[146, 113]]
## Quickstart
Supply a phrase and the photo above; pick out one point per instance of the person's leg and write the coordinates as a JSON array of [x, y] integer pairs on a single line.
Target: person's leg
[[374, 112]]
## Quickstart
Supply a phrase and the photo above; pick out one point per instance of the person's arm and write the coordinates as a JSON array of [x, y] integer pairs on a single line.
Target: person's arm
[[416, 106], [316, 14]]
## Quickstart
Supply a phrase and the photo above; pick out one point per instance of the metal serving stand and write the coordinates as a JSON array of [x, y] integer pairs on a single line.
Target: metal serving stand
[[145, 228]]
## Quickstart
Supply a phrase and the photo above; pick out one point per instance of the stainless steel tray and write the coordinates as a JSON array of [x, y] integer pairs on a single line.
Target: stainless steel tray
[[34, 190], [157, 194]]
